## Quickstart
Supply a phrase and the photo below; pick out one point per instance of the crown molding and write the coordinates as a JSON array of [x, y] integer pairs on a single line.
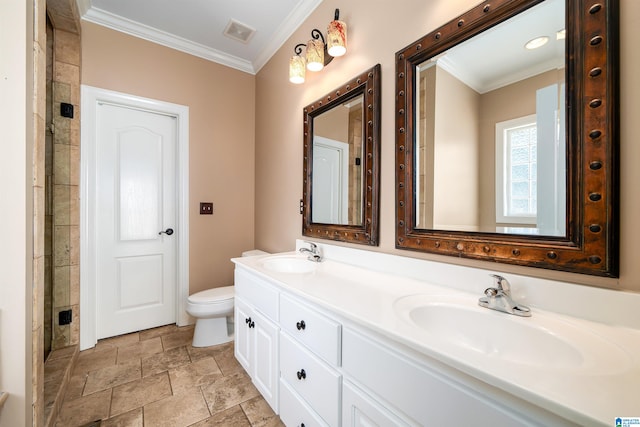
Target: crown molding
[[289, 25], [136, 29], [118, 23]]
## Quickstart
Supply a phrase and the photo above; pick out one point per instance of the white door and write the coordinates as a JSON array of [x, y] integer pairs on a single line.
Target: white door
[[136, 214], [330, 181]]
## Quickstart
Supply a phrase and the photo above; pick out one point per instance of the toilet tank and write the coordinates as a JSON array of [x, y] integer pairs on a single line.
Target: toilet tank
[[254, 252]]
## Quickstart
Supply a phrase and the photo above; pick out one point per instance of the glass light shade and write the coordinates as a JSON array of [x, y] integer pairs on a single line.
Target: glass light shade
[[337, 38], [296, 69], [315, 55]]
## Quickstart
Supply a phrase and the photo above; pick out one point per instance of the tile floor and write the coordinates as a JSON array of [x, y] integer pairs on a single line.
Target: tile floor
[[156, 378]]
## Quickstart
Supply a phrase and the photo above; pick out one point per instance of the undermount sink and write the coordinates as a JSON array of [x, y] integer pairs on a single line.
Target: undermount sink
[[289, 264], [543, 340]]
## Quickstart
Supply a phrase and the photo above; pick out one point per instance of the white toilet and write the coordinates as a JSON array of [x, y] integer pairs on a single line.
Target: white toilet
[[213, 310]]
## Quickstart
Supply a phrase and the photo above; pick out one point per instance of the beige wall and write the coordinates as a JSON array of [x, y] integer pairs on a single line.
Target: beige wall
[[455, 159], [221, 103], [279, 130], [333, 124]]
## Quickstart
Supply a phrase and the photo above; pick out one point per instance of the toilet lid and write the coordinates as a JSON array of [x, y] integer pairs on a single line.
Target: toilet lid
[[212, 295]]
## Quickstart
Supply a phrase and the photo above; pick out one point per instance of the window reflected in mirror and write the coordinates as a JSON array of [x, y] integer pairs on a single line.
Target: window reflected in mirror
[[506, 136]]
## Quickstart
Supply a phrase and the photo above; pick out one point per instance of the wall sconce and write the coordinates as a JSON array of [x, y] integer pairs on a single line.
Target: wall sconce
[[318, 53]]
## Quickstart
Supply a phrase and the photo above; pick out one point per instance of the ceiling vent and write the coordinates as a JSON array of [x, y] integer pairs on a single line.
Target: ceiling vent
[[239, 31]]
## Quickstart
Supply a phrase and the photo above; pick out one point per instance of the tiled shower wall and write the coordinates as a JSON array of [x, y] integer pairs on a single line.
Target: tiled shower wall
[[66, 173], [62, 186], [355, 170]]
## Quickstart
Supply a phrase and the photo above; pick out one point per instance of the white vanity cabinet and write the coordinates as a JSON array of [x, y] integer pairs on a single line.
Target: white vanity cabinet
[[361, 410], [309, 361], [256, 333], [423, 392], [319, 367]]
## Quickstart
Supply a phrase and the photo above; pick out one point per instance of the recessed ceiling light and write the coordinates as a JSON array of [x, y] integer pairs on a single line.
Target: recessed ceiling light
[[239, 31], [561, 34], [537, 42]]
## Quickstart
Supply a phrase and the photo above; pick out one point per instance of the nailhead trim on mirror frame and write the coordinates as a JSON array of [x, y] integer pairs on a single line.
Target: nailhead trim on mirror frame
[[367, 84], [591, 244]]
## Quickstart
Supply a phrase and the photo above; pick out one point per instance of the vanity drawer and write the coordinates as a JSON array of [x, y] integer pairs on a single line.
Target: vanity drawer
[[311, 378], [258, 293], [294, 411], [361, 410], [422, 394], [315, 330]]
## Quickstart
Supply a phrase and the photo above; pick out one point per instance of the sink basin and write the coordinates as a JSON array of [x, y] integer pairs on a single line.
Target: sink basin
[[458, 324], [289, 264]]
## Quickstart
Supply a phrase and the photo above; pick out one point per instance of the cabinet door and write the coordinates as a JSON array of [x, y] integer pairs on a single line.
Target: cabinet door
[[294, 411], [243, 335], [265, 358], [360, 410]]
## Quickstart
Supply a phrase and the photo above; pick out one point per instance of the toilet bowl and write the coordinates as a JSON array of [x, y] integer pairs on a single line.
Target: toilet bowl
[[213, 310]]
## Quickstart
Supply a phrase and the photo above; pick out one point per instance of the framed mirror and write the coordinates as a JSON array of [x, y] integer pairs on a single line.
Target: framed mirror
[[506, 136], [341, 162]]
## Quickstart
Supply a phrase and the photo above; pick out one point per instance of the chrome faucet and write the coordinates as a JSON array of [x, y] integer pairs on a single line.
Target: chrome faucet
[[499, 298], [313, 251]]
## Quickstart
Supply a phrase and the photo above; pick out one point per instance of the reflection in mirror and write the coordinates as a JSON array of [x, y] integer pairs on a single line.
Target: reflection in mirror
[[509, 154], [341, 162], [493, 94], [337, 164]]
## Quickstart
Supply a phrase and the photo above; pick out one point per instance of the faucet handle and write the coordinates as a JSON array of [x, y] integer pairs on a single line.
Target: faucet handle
[[502, 284], [491, 292]]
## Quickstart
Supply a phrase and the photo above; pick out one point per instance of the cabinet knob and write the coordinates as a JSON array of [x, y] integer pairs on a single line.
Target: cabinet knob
[[301, 425], [247, 320], [252, 324], [301, 374], [301, 325]]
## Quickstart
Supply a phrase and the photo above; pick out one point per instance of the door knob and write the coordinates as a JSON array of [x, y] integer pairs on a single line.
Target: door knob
[[168, 231]]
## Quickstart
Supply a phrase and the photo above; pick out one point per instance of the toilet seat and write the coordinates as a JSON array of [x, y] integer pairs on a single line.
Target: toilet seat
[[212, 296]]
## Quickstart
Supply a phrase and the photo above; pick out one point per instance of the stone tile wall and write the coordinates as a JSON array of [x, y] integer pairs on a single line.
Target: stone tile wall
[[65, 186], [56, 199], [38, 155]]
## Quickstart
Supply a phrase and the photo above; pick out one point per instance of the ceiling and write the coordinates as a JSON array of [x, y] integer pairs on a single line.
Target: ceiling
[[497, 57], [198, 27]]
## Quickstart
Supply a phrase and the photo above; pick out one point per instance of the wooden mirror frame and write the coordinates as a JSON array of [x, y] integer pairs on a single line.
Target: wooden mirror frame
[[591, 57], [368, 85]]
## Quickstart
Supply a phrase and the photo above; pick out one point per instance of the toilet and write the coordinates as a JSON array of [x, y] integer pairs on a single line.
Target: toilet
[[213, 310]]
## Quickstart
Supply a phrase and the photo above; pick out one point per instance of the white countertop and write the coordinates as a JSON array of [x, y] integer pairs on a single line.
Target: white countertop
[[596, 394]]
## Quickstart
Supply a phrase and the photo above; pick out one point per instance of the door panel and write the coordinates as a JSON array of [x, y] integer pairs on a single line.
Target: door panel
[[136, 199], [140, 184], [139, 282]]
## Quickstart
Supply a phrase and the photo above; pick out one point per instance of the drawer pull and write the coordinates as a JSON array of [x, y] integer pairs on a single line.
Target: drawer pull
[[301, 325], [301, 374]]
